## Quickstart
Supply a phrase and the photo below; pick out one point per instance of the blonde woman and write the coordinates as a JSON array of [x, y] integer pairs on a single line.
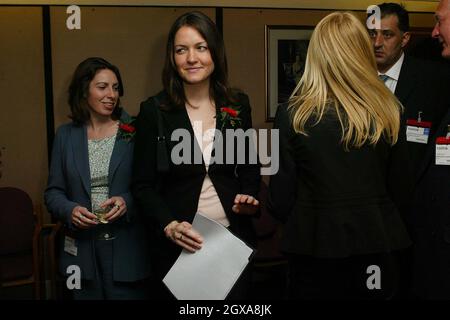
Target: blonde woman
[[342, 156]]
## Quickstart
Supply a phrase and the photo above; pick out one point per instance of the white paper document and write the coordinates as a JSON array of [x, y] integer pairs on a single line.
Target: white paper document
[[211, 272]]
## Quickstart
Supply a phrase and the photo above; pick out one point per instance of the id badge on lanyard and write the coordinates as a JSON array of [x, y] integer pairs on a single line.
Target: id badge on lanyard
[[418, 131]]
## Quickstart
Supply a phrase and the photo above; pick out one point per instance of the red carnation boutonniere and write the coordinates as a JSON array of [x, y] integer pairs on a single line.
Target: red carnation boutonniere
[[230, 115], [127, 129]]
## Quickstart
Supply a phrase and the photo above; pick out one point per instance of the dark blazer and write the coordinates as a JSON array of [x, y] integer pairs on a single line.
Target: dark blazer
[[174, 195], [337, 203], [69, 186], [431, 223], [421, 87]]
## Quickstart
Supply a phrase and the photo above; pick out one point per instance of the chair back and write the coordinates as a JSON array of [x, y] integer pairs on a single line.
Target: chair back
[[17, 221]]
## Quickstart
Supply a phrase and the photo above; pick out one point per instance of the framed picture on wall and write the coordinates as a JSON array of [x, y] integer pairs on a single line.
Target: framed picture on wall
[[285, 53]]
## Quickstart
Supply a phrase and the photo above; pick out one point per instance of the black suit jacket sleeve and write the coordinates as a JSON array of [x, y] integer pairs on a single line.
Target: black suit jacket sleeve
[[400, 173], [248, 174], [145, 176], [283, 185]]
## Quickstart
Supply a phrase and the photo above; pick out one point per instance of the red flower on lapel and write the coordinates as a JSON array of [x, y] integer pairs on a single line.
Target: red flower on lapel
[[126, 129], [233, 113], [230, 115]]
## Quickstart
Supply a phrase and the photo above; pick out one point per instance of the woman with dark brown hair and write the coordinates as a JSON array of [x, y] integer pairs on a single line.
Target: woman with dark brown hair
[[89, 189], [197, 99]]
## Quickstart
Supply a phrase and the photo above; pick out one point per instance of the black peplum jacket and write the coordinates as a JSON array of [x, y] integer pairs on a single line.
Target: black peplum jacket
[[337, 203]]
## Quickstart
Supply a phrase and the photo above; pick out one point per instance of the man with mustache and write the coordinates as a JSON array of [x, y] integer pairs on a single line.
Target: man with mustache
[[431, 209]]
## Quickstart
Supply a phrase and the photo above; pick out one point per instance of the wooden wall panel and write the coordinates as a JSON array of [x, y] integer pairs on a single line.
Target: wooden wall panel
[[22, 110]]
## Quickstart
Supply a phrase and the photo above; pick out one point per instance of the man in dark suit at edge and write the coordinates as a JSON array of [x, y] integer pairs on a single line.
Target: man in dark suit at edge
[[418, 85], [431, 209]]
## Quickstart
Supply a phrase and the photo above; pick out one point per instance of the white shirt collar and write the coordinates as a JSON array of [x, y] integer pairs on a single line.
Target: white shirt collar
[[394, 71]]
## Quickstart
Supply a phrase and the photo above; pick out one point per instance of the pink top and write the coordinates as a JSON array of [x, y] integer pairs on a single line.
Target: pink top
[[208, 203]]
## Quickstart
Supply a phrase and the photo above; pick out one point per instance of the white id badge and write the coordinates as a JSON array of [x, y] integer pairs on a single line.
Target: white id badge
[[417, 134], [443, 151], [70, 246]]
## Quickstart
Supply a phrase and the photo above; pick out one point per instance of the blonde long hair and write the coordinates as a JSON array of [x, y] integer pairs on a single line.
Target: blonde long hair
[[341, 72]]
